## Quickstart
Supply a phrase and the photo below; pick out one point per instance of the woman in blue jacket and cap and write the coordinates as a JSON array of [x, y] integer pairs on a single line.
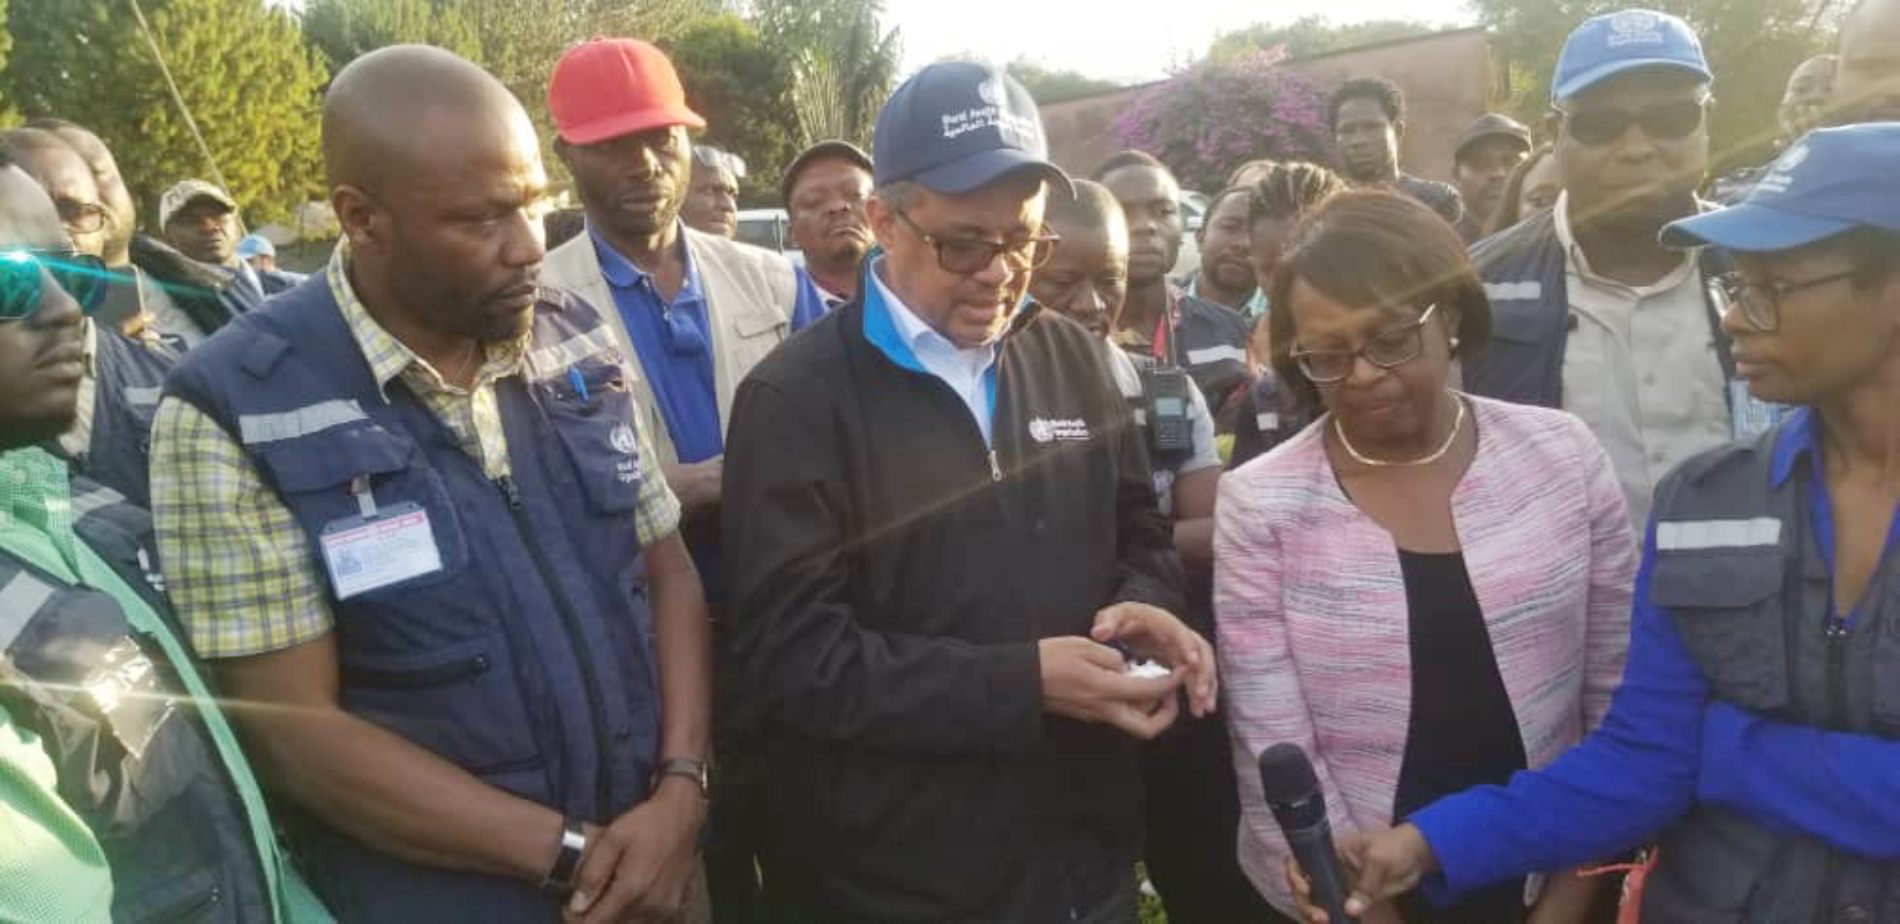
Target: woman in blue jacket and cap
[[1756, 738]]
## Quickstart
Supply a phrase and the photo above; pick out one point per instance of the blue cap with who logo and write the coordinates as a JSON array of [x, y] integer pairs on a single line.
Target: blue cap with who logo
[[1626, 40], [957, 126], [1832, 181]]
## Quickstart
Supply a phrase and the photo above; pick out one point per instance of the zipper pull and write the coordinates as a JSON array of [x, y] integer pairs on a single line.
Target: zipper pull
[[996, 468], [507, 486]]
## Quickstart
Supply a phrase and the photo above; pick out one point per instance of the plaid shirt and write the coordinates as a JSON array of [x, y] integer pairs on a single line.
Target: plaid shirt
[[243, 575]]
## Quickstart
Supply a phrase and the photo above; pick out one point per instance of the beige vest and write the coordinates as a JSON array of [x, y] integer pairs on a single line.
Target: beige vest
[[749, 297]]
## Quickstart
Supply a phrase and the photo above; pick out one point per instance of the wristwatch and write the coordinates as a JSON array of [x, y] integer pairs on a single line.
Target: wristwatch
[[559, 881], [692, 768]]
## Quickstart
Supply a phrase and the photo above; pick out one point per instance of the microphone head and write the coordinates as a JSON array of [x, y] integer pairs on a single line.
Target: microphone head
[[1286, 775]]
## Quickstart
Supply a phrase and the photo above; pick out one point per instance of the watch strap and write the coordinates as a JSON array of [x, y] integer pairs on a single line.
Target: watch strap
[[567, 863], [689, 767]]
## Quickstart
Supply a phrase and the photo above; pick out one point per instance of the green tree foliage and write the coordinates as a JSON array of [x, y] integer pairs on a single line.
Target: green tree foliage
[[1752, 46], [240, 65], [742, 86], [1312, 35], [844, 63], [7, 114], [344, 29], [1047, 85]]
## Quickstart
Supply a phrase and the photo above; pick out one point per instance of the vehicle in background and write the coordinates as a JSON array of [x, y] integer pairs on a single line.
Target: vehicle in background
[[1193, 213], [767, 228]]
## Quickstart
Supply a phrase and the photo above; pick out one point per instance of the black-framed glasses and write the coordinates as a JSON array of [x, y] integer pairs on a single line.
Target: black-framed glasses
[[23, 286], [1387, 349], [81, 217], [1761, 302], [967, 255], [1670, 121]]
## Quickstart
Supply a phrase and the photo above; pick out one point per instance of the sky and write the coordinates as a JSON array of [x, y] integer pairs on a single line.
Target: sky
[[1119, 40]]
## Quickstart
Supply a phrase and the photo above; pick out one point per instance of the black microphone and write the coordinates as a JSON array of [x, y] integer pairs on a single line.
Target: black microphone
[[1292, 791]]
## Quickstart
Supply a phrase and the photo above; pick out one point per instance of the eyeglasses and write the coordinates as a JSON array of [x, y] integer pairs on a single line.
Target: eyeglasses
[[81, 217], [1761, 304], [1387, 349], [23, 285], [716, 158], [1670, 121], [967, 255]]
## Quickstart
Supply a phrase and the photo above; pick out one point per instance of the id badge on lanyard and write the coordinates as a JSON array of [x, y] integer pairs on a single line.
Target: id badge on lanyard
[[379, 546]]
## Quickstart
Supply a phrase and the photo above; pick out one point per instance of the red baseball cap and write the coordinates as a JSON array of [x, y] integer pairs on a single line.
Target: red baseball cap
[[607, 87]]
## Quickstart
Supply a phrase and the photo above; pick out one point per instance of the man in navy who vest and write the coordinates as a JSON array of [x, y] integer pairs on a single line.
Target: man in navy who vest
[[417, 529], [1590, 313]]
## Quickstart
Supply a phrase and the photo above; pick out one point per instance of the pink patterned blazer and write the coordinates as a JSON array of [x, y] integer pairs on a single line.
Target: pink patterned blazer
[[1313, 621]]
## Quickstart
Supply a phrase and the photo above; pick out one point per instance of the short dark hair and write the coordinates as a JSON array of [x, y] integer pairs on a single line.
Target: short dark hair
[[1120, 159], [1507, 213], [1093, 206], [1213, 205], [1374, 249], [1378, 89], [1289, 190]]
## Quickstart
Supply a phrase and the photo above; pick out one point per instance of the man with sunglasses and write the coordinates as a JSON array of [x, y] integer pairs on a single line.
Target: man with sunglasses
[[712, 195], [123, 792], [938, 524], [1592, 314], [125, 367], [1757, 729]]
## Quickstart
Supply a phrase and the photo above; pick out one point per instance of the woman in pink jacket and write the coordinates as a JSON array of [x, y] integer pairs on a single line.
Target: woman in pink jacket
[[1424, 590]]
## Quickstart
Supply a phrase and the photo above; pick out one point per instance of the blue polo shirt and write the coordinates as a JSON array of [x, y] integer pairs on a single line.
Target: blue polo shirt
[[674, 340], [1666, 746]]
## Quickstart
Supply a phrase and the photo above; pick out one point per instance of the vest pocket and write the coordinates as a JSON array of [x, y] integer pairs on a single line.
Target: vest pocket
[[194, 898], [460, 700], [315, 476], [1727, 606], [599, 430]]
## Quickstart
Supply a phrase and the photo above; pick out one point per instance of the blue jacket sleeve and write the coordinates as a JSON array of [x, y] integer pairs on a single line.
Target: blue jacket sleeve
[[1627, 781], [1840, 788], [810, 306]]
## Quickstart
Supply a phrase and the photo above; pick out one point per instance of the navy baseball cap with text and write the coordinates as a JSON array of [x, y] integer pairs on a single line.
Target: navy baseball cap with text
[[1626, 40], [1832, 181], [957, 126]]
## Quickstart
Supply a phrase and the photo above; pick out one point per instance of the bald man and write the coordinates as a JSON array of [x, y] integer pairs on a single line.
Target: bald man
[[153, 286], [1867, 78], [408, 510]]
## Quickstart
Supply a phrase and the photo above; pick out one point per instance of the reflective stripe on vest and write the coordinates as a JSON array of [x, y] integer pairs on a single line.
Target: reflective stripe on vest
[[256, 429], [20, 600], [1692, 535]]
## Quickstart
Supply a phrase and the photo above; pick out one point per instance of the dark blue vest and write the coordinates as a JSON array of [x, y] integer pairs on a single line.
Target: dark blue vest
[[134, 759], [528, 659], [1524, 274], [130, 375]]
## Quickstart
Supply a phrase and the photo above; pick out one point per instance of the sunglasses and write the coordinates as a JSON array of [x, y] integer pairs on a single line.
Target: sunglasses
[[1671, 121], [23, 280], [966, 256]]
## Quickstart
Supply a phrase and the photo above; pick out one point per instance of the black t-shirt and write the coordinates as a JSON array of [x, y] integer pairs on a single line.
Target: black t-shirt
[[1443, 198], [1463, 731]]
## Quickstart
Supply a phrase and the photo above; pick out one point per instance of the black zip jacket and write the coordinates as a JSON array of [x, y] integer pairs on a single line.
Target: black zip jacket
[[890, 578]]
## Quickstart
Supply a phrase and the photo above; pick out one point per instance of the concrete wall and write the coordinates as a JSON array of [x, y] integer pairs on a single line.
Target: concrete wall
[[1449, 79]]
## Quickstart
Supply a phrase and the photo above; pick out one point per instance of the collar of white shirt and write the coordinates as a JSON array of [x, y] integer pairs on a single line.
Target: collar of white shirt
[[1579, 263], [933, 349]]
